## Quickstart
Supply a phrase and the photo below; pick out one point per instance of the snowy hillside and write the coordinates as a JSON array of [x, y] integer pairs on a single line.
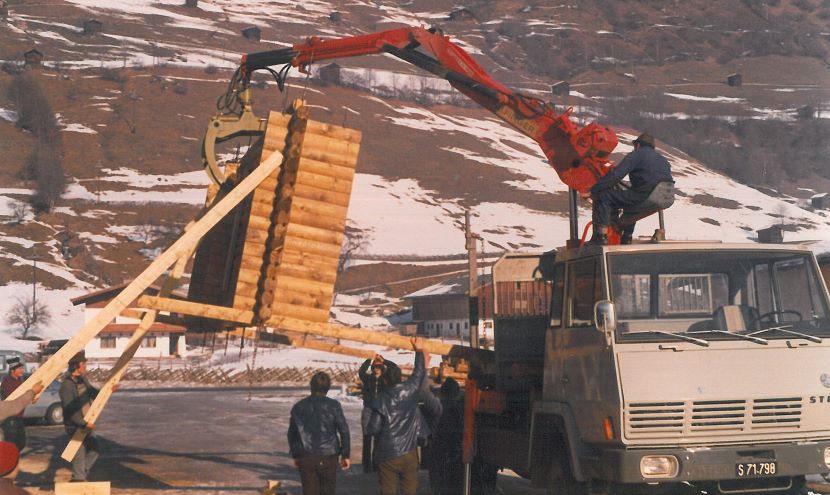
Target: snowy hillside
[[131, 142]]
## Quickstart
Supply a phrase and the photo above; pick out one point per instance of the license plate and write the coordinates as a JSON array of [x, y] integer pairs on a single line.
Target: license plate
[[754, 469]]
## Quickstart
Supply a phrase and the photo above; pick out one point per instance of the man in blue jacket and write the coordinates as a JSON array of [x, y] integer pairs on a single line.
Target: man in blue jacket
[[317, 435], [397, 420], [645, 168]]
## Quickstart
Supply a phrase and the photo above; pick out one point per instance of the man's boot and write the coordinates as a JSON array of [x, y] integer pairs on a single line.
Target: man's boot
[[600, 236], [626, 238]]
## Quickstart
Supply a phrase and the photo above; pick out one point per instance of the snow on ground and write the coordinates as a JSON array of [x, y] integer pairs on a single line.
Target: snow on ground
[[66, 319]]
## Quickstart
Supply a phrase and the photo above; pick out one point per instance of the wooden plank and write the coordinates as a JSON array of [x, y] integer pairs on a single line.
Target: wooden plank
[[317, 194], [195, 309], [315, 234], [302, 299], [308, 272], [304, 312], [297, 257], [314, 207], [304, 285], [303, 218], [106, 390], [375, 336], [342, 186], [244, 302], [333, 131], [83, 488], [52, 368], [314, 247], [319, 143], [327, 169]]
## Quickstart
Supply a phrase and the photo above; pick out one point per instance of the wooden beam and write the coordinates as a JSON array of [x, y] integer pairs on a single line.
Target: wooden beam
[[85, 488], [52, 368], [368, 336], [196, 309], [123, 362]]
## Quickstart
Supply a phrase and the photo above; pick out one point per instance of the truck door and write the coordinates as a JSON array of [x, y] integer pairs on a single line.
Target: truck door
[[582, 364]]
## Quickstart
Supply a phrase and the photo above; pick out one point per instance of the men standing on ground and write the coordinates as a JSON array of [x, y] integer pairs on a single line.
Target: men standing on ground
[[13, 428], [372, 385], [397, 421], [646, 168], [77, 395], [317, 435]]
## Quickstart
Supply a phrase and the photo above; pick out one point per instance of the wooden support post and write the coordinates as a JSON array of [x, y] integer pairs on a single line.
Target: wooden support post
[[86, 488], [120, 367], [52, 368], [291, 324]]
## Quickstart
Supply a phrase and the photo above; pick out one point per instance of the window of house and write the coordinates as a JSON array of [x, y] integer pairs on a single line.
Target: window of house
[[108, 342], [148, 342]]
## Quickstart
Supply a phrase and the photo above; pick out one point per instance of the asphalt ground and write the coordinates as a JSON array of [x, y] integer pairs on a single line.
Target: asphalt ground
[[200, 441]]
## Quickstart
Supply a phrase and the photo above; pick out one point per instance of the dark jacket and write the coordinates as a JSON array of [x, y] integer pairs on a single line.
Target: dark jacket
[[643, 166], [371, 386], [9, 385], [74, 401], [397, 410], [316, 423], [430, 411]]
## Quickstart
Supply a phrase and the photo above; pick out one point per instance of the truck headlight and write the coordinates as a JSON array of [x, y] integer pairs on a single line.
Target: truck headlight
[[662, 466], [827, 456]]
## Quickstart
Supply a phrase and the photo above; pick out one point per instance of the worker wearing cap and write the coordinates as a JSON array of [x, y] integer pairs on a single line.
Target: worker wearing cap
[[77, 395], [646, 168], [13, 428]]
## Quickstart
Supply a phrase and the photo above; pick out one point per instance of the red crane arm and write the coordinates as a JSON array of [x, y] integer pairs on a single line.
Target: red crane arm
[[579, 155]]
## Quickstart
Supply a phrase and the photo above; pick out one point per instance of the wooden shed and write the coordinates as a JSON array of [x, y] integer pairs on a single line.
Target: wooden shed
[[335, 17], [33, 58], [734, 79], [252, 33], [805, 112], [460, 13], [820, 201], [191, 3], [771, 235], [562, 88], [93, 26], [276, 253], [330, 74]]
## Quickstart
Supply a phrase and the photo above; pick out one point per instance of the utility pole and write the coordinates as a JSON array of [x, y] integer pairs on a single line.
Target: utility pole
[[34, 285], [472, 268]]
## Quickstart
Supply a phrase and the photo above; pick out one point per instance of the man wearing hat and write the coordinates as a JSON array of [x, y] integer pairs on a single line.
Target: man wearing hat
[[645, 168], [13, 428], [77, 395]]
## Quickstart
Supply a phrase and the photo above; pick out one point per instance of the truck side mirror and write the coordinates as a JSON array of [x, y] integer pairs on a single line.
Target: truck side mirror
[[605, 316]]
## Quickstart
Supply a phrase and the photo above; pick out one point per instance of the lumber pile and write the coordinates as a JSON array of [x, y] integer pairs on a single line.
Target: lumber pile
[[277, 253]]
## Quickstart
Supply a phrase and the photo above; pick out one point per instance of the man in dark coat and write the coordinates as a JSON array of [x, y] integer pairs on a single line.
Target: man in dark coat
[[13, 428], [371, 385], [397, 420], [317, 435], [646, 168], [77, 395], [446, 470]]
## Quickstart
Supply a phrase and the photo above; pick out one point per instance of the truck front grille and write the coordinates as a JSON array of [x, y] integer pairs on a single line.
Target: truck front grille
[[707, 418]]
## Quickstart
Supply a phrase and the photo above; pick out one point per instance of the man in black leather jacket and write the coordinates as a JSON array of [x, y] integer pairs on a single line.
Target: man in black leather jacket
[[371, 378], [397, 421], [317, 435]]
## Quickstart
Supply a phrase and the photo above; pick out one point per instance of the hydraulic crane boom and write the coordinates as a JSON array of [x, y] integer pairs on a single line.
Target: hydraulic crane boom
[[579, 155]]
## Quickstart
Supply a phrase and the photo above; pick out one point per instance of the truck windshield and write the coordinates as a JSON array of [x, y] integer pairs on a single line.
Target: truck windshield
[[717, 295]]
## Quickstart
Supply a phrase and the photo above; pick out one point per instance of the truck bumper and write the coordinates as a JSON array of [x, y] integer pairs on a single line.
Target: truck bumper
[[713, 463]]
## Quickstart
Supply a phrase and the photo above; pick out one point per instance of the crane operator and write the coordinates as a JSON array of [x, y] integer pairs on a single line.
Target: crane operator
[[646, 168]]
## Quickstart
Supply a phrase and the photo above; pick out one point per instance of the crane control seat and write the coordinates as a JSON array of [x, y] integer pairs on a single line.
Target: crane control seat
[[660, 198]]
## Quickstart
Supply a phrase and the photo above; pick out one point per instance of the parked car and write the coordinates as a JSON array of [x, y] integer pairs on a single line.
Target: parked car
[[48, 407], [52, 347]]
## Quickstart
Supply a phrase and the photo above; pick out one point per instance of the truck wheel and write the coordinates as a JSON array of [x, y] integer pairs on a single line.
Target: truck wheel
[[54, 415]]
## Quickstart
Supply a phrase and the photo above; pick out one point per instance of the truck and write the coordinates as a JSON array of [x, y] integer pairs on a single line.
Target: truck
[[656, 367]]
